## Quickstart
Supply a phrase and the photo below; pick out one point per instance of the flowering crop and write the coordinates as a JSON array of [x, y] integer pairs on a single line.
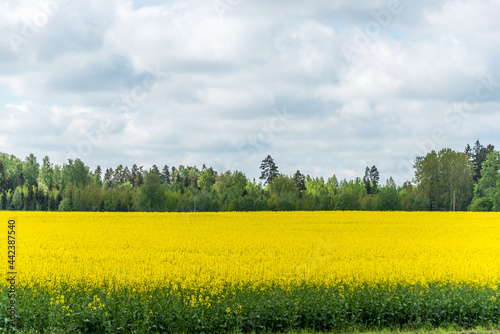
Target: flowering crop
[[90, 267], [211, 250]]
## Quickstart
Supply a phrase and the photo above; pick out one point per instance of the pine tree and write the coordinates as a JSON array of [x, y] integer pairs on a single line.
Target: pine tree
[[98, 173], [165, 175], [269, 171], [118, 176], [367, 181], [139, 180], [155, 170], [126, 175], [133, 174], [300, 182], [108, 177], [478, 155], [97, 176], [374, 178]]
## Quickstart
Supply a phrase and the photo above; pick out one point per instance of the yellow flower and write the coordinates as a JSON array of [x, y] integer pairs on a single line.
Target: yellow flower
[[256, 249]]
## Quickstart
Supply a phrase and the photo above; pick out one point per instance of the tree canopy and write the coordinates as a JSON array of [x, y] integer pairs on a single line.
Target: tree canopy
[[269, 171], [444, 180]]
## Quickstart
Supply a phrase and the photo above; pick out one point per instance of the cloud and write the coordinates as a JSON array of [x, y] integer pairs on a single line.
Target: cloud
[[153, 82]]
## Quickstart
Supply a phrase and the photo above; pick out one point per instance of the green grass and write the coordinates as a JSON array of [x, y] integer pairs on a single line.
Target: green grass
[[438, 308], [477, 330]]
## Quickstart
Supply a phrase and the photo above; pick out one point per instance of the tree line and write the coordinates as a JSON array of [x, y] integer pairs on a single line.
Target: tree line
[[444, 181]]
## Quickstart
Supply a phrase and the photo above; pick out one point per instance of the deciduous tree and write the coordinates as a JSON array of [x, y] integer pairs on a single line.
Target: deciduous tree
[[487, 191], [151, 196]]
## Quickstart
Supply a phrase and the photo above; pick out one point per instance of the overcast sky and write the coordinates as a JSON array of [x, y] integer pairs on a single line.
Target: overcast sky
[[327, 87]]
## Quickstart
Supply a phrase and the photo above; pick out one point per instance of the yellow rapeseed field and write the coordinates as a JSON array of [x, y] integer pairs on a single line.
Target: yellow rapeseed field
[[259, 249]]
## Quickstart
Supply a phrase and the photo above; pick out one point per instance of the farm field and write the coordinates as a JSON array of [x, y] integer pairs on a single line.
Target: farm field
[[253, 272]]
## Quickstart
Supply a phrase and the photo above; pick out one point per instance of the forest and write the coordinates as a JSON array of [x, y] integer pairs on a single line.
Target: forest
[[446, 180]]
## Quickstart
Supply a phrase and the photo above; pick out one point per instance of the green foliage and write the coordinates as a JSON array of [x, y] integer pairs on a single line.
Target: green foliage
[[269, 171], [231, 183], [349, 200], [273, 203], [243, 310], [488, 188], [233, 205], [478, 155], [30, 170], [3, 201], [151, 196], [206, 180], [388, 198], [300, 182], [284, 185], [97, 176], [328, 202], [481, 204], [315, 185], [308, 203], [246, 203], [75, 172], [17, 199], [287, 203], [444, 176], [367, 202], [46, 175], [370, 180]]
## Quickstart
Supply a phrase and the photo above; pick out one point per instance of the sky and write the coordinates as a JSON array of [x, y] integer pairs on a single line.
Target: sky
[[325, 87]]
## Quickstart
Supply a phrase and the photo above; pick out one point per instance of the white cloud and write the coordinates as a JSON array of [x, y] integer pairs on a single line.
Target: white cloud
[[123, 82]]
